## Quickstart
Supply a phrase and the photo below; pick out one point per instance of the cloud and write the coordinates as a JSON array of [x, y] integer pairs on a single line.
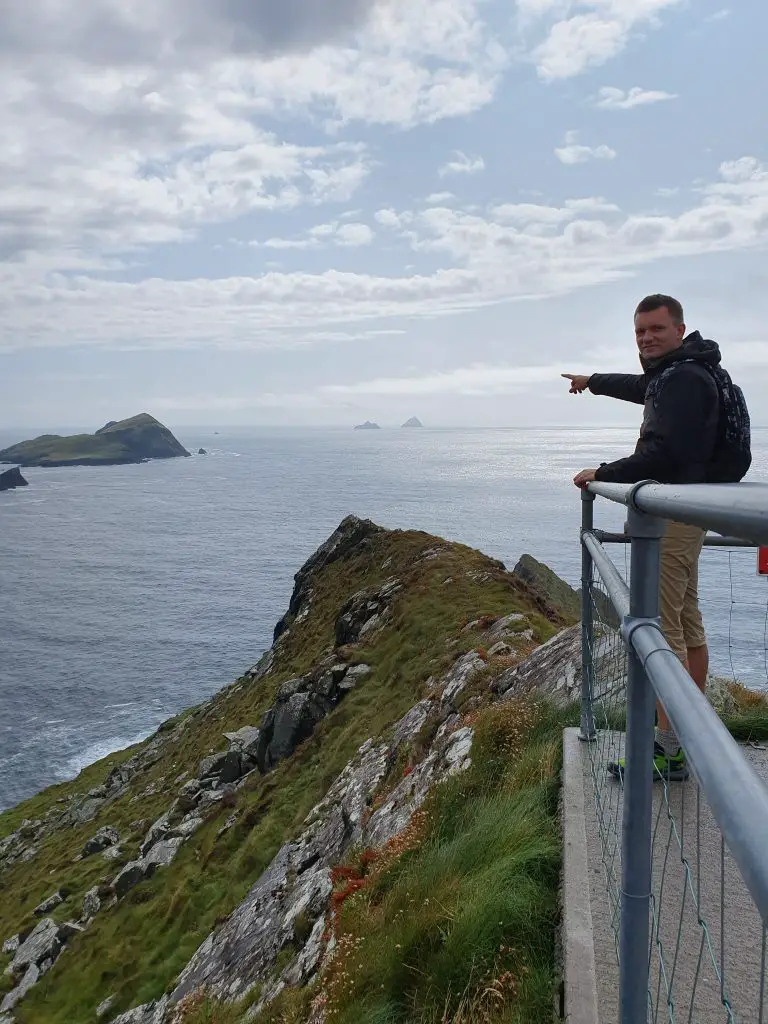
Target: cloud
[[354, 235], [572, 152], [611, 98], [105, 32], [343, 234], [438, 198], [479, 257], [585, 40], [462, 164], [721, 15], [138, 124], [476, 379]]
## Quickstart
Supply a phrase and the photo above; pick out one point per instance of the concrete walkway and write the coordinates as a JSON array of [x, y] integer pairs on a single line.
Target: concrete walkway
[[684, 981]]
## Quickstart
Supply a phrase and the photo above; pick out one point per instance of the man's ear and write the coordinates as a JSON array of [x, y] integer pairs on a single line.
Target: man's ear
[[681, 331]]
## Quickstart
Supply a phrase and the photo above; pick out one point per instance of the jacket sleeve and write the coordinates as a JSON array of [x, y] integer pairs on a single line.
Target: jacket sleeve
[[683, 412], [629, 387]]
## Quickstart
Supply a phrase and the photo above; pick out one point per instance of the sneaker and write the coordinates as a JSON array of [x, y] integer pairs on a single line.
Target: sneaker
[[671, 769]]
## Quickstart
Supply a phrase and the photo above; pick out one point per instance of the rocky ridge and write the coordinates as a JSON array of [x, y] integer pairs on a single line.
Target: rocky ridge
[[244, 951]]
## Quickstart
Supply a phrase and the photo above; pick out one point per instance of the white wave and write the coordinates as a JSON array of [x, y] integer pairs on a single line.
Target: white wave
[[95, 752]]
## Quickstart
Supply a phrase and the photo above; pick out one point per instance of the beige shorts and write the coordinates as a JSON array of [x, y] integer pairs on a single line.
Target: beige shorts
[[680, 615]]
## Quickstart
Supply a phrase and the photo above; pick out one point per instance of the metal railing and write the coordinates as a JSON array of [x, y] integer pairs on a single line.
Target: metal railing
[[686, 863]]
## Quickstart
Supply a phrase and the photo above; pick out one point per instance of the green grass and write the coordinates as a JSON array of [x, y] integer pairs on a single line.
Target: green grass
[[462, 926], [136, 950]]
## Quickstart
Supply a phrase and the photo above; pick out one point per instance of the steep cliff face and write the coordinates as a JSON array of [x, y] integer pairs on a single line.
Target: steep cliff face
[[227, 868]]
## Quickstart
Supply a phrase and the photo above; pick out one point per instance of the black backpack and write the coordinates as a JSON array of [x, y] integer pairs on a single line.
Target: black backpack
[[733, 452], [732, 456]]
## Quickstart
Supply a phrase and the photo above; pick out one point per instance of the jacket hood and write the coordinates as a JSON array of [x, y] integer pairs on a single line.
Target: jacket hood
[[693, 347]]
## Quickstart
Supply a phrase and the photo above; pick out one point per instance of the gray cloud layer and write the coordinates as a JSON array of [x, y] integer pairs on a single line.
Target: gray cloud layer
[[104, 32]]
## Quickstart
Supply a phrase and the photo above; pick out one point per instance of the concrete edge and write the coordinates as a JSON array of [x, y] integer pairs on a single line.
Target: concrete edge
[[580, 980]]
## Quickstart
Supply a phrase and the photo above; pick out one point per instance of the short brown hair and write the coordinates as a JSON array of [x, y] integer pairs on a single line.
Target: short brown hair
[[651, 302]]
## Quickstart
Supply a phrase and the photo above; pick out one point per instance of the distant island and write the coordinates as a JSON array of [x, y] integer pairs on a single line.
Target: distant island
[[414, 421], [368, 426], [117, 443]]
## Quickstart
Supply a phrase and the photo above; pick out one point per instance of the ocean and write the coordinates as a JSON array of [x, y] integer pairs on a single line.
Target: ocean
[[128, 593]]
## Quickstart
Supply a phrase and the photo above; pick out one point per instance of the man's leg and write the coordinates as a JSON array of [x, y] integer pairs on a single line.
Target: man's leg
[[698, 665], [680, 615]]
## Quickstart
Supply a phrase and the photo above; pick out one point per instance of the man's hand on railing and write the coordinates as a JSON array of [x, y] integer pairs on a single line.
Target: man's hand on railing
[[586, 476], [579, 382]]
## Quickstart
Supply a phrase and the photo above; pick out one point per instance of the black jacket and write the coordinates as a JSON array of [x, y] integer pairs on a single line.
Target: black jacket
[[680, 422]]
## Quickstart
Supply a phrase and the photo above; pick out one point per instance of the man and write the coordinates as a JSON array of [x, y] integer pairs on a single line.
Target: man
[[695, 430]]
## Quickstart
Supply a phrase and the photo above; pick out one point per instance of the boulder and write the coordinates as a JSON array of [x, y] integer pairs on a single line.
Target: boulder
[[49, 904], [460, 673], [201, 451], [42, 944], [364, 612], [161, 854], [189, 794], [211, 765], [507, 624], [69, 929], [133, 873], [12, 478], [232, 768], [85, 809], [245, 740], [187, 827], [112, 853], [500, 649], [31, 976], [104, 838], [149, 1013], [105, 1006], [91, 903], [288, 724], [11, 945], [158, 830]]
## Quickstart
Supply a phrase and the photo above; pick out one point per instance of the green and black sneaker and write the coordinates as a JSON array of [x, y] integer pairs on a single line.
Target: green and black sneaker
[[665, 768]]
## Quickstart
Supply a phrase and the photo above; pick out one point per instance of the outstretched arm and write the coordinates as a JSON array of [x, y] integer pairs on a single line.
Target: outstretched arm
[[629, 387]]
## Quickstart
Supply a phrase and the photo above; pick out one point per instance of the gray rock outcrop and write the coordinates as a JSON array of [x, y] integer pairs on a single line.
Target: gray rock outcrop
[[49, 904], [365, 611], [42, 944], [104, 838], [351, 536]]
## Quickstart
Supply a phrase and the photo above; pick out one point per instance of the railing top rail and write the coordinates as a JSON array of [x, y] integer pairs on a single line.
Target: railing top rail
[[737, 509]]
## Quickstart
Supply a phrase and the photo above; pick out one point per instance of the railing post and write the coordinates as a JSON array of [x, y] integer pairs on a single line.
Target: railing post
[[587, 732], [636, 854]]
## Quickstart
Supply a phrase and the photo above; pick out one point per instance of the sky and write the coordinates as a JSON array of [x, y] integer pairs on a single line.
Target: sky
[[316, 212]]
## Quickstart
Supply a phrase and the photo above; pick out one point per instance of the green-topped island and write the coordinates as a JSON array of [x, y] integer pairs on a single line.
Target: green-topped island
[[128, 441]]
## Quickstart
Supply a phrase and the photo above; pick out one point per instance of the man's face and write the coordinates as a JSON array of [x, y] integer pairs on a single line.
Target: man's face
[[657, 333]]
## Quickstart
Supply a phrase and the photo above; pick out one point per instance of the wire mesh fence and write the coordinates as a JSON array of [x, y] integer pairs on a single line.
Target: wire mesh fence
[[707, 956]]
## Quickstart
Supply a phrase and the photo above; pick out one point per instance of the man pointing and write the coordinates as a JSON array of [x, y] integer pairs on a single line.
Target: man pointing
[[695, 429]]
